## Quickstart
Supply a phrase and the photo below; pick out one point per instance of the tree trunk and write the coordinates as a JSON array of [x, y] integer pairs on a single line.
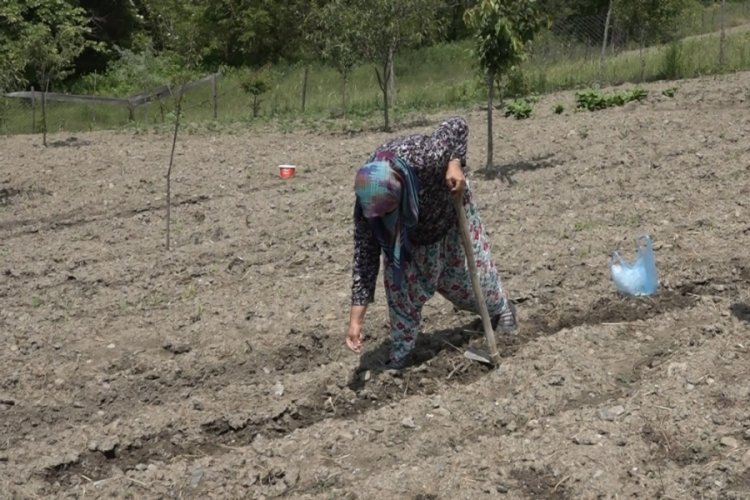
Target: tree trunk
[[391, 79], [383, 83], [604, 42], [490, 96], [178, 112], [304, 86], [386, 98], [344, 93]]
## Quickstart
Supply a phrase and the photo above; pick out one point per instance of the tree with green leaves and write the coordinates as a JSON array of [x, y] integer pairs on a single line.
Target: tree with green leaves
[[501, 28], [387, 26], [41, 38], [333, 32]]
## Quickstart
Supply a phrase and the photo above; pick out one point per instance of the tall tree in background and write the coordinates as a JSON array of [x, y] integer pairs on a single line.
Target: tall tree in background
[[115, 24], [332, 30], [52, 33], [502, 28], [387, 26]]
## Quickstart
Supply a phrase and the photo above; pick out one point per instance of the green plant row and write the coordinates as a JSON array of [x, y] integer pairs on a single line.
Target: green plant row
[[593, 100]]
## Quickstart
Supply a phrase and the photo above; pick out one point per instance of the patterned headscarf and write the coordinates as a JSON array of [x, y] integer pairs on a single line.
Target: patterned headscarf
[[386, 192]]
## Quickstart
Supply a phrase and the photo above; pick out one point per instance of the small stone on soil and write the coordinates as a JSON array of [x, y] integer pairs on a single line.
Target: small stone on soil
[[729, 442], [442, 412], [278, 389], [587, 438], [176, 347], [196, 477], [612, 413], [408, 422]]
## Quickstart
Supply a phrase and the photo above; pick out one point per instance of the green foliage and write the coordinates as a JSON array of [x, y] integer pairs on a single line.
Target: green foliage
[[41, 38], [558, 109], [502, 28], [593, 100], [672, 63], [514, 83], [387, 26], [670, 92], [256, 84], [332, 32], [177, 23], [651, 20], [519, 109], [132, 72]]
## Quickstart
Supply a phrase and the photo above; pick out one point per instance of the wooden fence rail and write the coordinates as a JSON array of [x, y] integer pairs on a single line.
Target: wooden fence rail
[[131, 102]]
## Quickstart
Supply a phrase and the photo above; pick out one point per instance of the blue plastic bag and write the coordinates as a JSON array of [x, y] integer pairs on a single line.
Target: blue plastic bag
[[636, 278]]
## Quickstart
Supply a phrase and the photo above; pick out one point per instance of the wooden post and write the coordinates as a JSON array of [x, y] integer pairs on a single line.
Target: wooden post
[[304, 86], [215, 97], [33, 111], [131, 112], [44, 112]]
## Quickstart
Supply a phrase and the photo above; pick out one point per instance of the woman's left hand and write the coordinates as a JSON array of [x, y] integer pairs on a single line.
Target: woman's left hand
[[454, 178]]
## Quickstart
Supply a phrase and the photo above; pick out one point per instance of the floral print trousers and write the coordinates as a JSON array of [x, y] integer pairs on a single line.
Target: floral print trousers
[[441, 267]]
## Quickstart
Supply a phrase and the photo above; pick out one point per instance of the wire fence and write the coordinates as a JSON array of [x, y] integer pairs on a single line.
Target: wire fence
[[604, 49], [575, 53]]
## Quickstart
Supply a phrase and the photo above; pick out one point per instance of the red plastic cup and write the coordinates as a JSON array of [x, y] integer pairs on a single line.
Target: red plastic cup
[[287, 171]]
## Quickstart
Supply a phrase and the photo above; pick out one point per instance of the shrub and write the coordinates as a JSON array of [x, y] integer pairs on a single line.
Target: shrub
[[519, 109]]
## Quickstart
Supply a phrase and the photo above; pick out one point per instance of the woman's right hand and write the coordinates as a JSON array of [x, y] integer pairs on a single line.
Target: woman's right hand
[[354, 338]]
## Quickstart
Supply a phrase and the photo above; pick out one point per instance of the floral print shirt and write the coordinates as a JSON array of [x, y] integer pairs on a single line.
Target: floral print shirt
[[428, 156]]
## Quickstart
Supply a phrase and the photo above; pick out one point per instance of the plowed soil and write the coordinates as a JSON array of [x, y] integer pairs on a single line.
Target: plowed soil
[[218, 369]]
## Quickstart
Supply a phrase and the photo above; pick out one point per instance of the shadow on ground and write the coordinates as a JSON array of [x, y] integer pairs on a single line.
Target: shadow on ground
[[506, 172], [741, 311]]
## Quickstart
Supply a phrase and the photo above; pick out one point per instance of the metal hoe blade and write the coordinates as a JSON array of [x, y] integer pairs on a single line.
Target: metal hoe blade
[[477, 355]]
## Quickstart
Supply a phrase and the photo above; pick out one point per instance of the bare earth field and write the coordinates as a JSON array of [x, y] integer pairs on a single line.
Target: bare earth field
[[219, 370]]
